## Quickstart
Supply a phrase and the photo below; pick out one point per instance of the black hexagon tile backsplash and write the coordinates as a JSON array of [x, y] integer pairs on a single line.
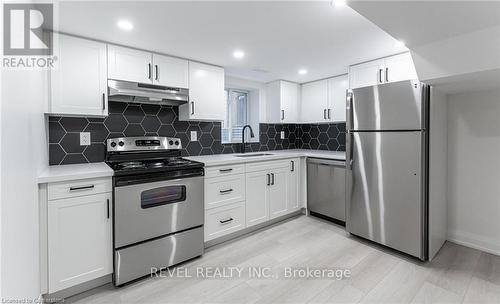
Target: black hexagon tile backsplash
[[153, 120]]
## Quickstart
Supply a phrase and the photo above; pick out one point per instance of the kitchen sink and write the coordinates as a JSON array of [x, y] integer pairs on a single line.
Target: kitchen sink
[[253, 154]]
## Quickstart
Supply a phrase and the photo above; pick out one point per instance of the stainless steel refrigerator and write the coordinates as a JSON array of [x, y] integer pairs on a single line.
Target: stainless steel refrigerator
[[387, 165]]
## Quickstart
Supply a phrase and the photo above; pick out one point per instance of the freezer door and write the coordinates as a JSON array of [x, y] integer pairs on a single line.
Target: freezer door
[[391, 106], [385, 201]]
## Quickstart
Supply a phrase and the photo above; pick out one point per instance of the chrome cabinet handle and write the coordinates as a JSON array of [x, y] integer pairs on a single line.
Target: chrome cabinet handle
[[272, 178], [192, 107], [226, 191], [324, 113], [282, 114], [156, 71], [329, 114], [81, 188], [229, 220], [103, 101], [293, 165], [107, 207], [268, 178], [386, 74], [380, 71], [225, 170], [149, 71]]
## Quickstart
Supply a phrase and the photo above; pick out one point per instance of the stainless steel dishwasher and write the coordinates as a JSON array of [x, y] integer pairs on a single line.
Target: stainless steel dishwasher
[[326, 189]]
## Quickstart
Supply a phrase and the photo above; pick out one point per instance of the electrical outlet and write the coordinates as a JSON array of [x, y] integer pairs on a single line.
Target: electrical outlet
[[282, 134], [84, 138], [194, 136]]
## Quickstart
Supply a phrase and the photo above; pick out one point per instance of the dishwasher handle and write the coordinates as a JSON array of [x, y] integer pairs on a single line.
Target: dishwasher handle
[[326, 162]]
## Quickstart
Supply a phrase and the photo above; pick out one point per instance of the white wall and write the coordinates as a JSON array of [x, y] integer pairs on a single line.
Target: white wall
[[474, 169], [23, 155]]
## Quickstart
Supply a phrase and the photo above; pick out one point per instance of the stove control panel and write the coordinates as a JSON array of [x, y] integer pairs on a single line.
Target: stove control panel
[[144, 143]]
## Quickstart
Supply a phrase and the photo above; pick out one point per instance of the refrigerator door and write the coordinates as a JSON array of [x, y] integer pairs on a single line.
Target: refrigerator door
[[391, 106], [385, 197]]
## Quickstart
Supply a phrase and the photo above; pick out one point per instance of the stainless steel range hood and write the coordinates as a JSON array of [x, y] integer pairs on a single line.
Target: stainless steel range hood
[[125, 91]]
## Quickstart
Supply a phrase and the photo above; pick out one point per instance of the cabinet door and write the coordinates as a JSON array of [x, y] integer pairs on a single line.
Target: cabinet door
[[337, 92], [289, 101], [399, 67], [257, 202], [278, 192], [206, 93], [79, 82], [129, 64], [366, 74], [314, 102], [170, 72], [79, 240], [293, 185]]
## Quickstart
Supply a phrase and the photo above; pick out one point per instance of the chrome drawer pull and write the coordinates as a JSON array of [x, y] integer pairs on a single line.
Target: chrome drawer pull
[[81, 188], [229, 220], [226, 191], [225, 170]]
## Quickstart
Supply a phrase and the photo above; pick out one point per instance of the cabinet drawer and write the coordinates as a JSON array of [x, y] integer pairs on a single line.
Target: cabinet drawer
[[224, 170], [267, 165], [224, 220], [78, 188], [224, 190]]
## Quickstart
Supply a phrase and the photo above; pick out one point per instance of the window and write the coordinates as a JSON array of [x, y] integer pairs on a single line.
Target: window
[[236, 115]]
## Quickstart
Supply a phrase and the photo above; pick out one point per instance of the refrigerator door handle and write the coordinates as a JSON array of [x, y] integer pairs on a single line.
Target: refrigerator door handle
[[349, 114]]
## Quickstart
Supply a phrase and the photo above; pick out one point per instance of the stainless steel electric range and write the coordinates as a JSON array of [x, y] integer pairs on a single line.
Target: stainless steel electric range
[[157, 205]]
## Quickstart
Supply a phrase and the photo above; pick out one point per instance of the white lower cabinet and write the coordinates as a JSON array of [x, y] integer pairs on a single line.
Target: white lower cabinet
[[79, 240], [257, 203], [224, 220], [242, 196], [294, 185], [278, 192]]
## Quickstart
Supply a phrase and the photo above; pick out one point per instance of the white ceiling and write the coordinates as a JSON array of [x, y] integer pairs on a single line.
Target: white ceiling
[[455, 45], [279, 38], [422, 22]]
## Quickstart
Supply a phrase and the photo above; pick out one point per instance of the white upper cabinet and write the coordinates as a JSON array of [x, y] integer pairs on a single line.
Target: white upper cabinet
[[385, 70], [283, 102], [78, 84], [399, 67], [366, 74], [171, 72], [324, 100], [337, 92], [314, 102], [145, 67], [206, 93], [129, 64]]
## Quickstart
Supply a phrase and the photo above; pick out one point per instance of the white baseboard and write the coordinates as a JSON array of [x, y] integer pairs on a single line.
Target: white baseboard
[[489, 245]]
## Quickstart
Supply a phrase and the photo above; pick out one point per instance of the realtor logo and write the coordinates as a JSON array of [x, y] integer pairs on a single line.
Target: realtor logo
[[23, 29]]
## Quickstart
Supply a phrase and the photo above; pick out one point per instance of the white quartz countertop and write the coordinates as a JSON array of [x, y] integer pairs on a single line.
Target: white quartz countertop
[[224, 159], [53, 174]]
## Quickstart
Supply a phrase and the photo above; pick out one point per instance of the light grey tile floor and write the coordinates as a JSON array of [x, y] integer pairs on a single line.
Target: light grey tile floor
[[377, 275]]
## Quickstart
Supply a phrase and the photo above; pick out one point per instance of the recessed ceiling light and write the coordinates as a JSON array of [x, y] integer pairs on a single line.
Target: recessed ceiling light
[[125, 25], [338, 3], [238, 54], [302, 72], [399, 44]]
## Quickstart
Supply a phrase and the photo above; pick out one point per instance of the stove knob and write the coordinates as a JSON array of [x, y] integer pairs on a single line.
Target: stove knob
[[121, 143], [176, 142], [113, 144], [171, 142]]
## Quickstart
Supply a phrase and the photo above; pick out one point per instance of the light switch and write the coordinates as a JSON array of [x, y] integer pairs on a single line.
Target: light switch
[[282, 134], [84, 138], [194, 136]]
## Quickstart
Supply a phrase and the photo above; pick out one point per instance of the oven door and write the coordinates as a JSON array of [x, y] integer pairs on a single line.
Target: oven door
[[150, 210]]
